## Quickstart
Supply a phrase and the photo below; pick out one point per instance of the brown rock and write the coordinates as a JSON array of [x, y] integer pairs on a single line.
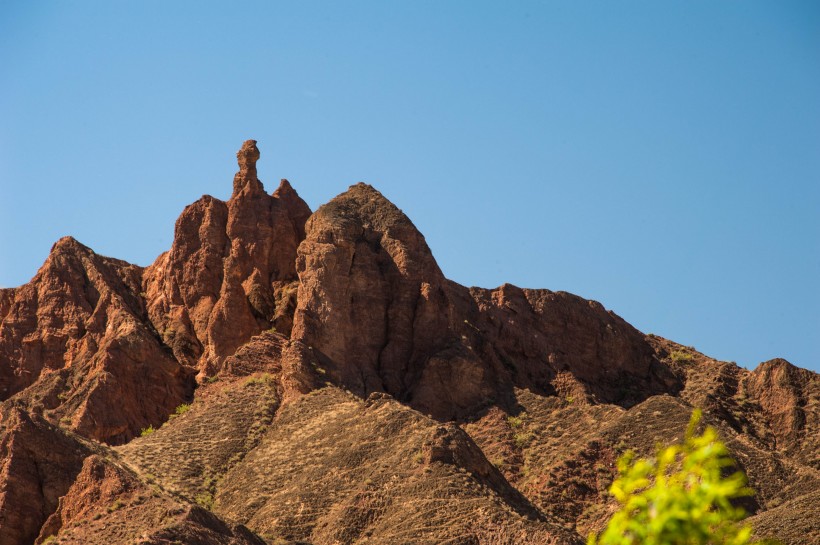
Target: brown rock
[[75, 344], [775, 404], [109, 505], [371, 300], [783, 391], [540, 335], [331, 469], [376, 314], [6, 299], [230, 272], [245, 179], [262, 354], [283, 314], [38, 463]]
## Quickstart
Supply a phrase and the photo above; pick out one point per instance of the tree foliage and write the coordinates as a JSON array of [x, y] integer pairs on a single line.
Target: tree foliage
[[680, 497]]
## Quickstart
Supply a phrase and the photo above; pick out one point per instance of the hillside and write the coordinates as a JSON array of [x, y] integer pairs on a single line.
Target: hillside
[[287, 376]]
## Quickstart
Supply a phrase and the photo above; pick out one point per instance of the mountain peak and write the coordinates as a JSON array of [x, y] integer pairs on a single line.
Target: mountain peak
[[70, 244]]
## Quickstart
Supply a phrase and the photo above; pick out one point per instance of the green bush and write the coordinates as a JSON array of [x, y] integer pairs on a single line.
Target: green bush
[[147, 431], [678, 498]]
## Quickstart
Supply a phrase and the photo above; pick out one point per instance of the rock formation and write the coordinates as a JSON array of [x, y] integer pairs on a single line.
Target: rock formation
[[39, 464], [76, 346], [230, 273], [378, 315], [279, 376]]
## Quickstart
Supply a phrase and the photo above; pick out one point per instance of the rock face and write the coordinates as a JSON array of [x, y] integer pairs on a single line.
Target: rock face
[[39, 463], [76, 346], [230, 273], [372, 301], [378, 315], [556, 342], [348, 393], [108, 505], [784, 392]]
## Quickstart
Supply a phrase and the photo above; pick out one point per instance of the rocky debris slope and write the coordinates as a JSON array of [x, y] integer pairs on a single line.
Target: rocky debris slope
[[777, 403], [317, 379], [199, 444], [333, 468]]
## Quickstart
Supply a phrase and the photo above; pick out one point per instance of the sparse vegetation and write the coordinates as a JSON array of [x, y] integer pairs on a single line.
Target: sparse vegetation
[[182, 409], [516, 421], [264, 378], [681, 357], [147, 431], [118, 504], [205, 499], [522, 438]]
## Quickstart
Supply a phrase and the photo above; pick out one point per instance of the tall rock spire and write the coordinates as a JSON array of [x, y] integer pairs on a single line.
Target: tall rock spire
[[247, 156], [231, 270]]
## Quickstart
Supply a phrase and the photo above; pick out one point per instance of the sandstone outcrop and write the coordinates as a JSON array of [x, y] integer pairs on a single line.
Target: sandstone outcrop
[[38, 464], [372, 306], [377, 314], [109, 505], [76, 346], [230, 273], [784, 393]]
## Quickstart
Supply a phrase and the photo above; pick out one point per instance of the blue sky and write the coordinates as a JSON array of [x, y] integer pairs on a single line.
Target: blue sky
[[660, 157]]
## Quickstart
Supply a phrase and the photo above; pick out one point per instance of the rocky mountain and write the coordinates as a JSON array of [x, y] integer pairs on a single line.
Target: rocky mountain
[[282, 376]]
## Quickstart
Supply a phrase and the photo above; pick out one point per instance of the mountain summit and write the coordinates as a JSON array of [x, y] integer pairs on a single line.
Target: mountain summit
[[288, 376]]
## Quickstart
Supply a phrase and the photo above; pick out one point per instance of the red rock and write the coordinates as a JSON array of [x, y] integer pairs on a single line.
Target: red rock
[[783, 391], [230, 272], [362, 304], [544, 334], [38, 463], [109, 505], [76, 346], [375, 313], [259, 295]]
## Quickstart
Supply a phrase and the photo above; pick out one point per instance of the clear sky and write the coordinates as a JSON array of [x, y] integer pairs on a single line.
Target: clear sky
[[662, 158]]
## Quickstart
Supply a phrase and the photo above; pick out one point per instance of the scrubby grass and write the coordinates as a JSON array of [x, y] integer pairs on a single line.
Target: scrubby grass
[[681, 357]]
